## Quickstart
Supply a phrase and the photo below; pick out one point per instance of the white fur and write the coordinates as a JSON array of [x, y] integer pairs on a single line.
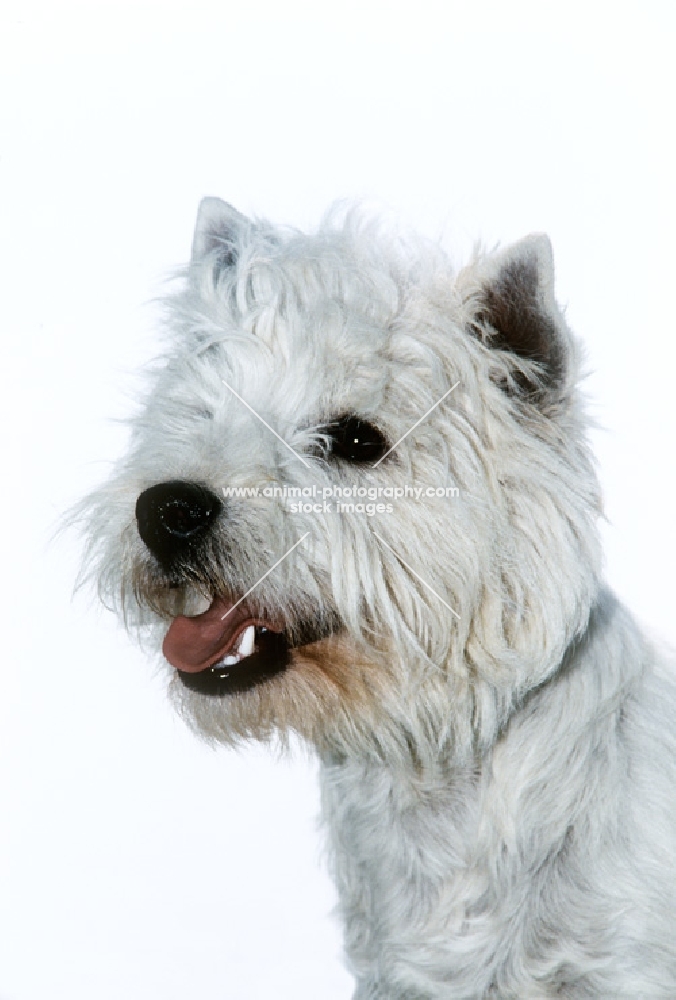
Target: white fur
[[499, 787]]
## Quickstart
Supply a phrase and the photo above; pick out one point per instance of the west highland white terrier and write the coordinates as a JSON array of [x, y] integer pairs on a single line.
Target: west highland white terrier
[[359, 506]]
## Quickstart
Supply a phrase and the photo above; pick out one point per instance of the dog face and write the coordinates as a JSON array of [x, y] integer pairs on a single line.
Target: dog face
[[346, 361]]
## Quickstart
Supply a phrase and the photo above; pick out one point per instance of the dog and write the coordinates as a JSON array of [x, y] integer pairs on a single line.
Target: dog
[[359, 506]]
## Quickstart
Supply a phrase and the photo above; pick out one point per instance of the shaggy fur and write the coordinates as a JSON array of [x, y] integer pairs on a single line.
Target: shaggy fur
[[497, 779]]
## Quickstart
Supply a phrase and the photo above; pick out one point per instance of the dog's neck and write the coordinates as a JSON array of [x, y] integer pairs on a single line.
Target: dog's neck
[[462, 837]]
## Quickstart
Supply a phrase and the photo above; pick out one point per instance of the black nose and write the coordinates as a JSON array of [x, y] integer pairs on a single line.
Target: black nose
[[171, 516]]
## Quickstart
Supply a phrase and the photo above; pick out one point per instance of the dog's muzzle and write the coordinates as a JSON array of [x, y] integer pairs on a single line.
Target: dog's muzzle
[[229, 648]]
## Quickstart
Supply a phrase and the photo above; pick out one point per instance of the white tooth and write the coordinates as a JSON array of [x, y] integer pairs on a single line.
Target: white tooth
[[228, 661], [247, 642]]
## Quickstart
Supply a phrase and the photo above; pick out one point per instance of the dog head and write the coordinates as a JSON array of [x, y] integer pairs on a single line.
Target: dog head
[[264, 528]]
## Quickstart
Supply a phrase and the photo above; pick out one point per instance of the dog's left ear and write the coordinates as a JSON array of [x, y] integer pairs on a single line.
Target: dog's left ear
[[217, 231], [517, 313]]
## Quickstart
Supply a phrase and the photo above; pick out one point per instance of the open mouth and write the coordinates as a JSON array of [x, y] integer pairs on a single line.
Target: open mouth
[[226, 649]]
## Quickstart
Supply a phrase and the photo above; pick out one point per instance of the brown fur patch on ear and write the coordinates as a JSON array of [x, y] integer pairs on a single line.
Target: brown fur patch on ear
[[513, 316]]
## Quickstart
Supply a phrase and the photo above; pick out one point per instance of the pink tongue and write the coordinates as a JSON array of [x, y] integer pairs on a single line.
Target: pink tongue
[[193, 644]]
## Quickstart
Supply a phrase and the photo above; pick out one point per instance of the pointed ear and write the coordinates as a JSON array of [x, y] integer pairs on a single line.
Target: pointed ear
[[217, 231], [517, 313]]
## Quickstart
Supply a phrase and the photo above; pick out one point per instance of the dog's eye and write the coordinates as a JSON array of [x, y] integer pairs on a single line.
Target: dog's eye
[[355, 440]]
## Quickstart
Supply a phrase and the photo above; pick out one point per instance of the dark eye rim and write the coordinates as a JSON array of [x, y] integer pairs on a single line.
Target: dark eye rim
[[344, 433]]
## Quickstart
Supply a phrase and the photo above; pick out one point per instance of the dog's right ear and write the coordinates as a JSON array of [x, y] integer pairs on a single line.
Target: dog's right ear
[[516, 315], [217, 232]]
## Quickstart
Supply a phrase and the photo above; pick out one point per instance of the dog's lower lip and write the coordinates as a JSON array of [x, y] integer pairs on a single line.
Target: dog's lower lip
[[270, 657], [203, 648]]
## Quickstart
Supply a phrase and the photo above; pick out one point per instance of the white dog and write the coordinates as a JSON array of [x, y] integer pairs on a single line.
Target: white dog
[[497, 739]]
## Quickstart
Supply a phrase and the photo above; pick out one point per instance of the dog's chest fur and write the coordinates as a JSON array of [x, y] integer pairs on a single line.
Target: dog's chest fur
[[486, 867]]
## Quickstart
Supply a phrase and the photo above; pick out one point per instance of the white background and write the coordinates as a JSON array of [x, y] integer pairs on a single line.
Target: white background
[[135, 864]]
